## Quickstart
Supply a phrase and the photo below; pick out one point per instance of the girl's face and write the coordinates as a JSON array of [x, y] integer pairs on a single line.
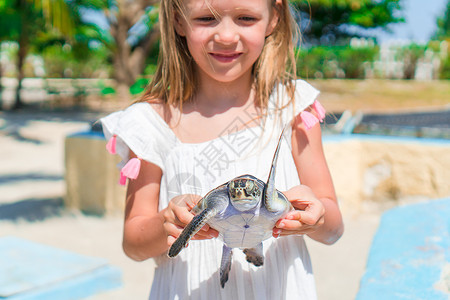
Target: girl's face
[[226, 37]]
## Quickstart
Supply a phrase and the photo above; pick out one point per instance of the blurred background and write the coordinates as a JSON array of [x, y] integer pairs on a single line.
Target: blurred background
[[382, 66], [115, 45]]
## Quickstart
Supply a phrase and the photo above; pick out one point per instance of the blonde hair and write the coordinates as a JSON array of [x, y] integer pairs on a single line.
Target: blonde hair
[[175, 82]]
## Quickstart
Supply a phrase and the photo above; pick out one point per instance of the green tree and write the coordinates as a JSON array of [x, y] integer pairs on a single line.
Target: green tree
[[9, 25], [334, 61], [443, 25], [25, 21], [330, 22], [132, 32], [443, 34]]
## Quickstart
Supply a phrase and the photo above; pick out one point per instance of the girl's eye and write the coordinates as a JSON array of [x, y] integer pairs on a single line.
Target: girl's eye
[[247, 19], [205, 19]]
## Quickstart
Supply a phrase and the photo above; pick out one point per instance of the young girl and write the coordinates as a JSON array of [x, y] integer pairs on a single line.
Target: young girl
[[223, 91]]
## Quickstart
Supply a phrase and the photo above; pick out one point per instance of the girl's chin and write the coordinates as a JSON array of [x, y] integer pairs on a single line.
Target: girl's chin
[[228, 78], [223, 74]]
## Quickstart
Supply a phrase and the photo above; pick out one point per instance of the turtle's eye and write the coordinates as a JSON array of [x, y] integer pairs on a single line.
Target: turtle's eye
[[249, 186], [232, 185]]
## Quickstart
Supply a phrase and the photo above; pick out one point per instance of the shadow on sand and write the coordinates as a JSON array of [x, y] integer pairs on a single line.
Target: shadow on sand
[[11, 178], [11, 122], [33, 209]]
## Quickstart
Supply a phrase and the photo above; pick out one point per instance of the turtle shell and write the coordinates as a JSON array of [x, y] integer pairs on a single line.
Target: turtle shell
[[244, 228]]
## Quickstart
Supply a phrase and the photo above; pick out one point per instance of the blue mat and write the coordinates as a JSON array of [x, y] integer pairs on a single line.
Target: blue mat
[[33, 271], [408, 254]]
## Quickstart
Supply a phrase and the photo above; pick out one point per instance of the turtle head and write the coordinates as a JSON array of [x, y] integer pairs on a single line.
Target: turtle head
[[244, 193]]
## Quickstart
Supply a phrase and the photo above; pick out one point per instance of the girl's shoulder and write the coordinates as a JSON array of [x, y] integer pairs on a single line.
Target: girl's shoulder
[[151, 115], [141, 129], [304, 95], [288, 102]]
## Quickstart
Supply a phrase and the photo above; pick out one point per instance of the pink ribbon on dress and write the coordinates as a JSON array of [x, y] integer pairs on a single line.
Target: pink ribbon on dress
[[320, 110], [130, 170], [309, 119], [111, 145]]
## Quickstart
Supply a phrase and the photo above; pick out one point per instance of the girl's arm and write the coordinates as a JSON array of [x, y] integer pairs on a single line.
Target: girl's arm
[[317, 213], [147, 231]]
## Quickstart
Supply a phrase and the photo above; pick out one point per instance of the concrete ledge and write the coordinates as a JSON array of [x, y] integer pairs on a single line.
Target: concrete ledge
[[92, 176], [34, 271], [410, 254], [387, 170]]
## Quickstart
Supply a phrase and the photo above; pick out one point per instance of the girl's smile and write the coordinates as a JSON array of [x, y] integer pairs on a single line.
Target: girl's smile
[[225, 57]]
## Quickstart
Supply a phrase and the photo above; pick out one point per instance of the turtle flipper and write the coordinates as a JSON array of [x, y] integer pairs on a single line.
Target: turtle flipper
[[210, 205], [190, 230], [255, 255], [225, 265], [272, 200]]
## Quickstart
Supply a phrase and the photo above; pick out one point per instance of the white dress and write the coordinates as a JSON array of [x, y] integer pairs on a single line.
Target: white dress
[[198, 168]]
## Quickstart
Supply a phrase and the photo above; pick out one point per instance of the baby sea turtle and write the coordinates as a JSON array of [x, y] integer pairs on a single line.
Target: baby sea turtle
[[243, 211]]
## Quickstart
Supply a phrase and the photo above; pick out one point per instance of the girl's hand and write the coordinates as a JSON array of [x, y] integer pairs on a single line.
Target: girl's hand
[[307, 217], [178, 214]]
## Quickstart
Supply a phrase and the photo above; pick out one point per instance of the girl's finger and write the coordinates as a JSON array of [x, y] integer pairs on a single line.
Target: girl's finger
[[290, 225], [213, 232], [208, 234], [282, 232], [170, 240], [308, 218], [205, 228], [302, 232], [312, 215], [183, 215], [173, 230], [202, 236], [293, 215]]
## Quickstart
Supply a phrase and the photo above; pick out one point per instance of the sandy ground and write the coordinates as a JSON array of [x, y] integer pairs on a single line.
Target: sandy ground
[[32, 188]]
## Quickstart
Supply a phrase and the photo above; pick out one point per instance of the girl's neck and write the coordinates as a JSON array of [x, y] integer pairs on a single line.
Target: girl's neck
[[217, 107], [215, 97]]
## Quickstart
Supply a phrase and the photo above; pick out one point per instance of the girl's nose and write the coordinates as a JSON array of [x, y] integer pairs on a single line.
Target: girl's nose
[[227, 32]]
